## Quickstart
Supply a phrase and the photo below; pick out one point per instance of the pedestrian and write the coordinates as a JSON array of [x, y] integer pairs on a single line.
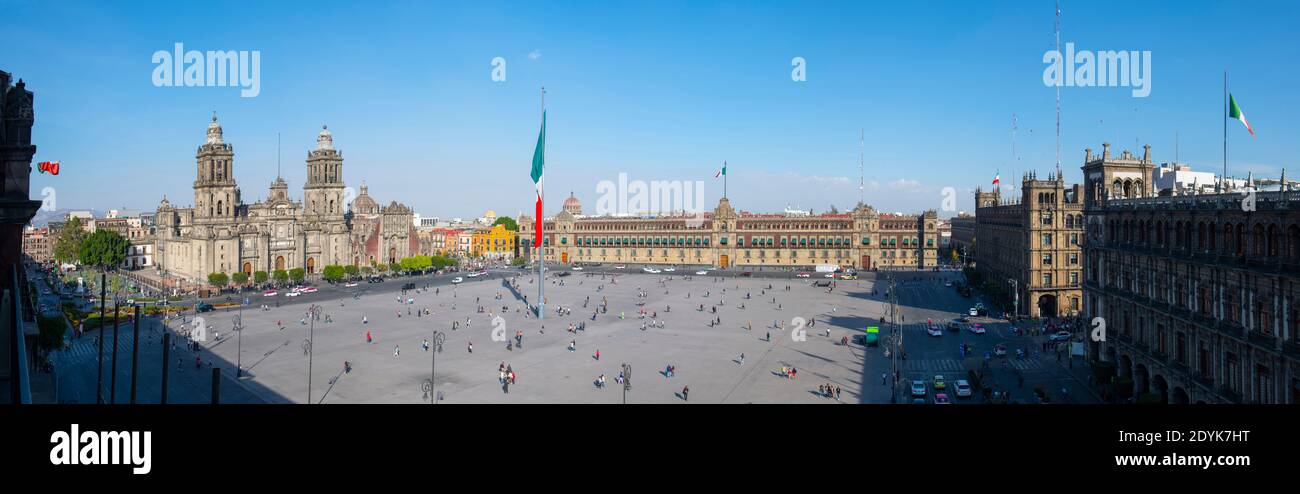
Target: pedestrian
[[837, 393], [396, 351], [742, 359], [597, 354], [884, 379], [686, 393], [471, 347]]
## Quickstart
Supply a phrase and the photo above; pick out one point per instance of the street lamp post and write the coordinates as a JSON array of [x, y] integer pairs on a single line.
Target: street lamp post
[[438, 338], [627, 380], [239, 342], [312, 311], [897, 336], [1015, 289]]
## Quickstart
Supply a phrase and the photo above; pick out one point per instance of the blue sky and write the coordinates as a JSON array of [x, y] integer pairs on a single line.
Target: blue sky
[[659, 90]]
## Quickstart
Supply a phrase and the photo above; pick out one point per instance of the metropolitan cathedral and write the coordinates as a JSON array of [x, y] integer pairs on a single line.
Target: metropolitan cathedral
[[222, 234]]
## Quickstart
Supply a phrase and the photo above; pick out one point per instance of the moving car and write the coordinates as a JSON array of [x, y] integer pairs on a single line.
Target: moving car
[[269, 293], [204, 307], [1000, 350], [947, 283], [577, 268], [941, 399], [801, 275], [954, 325], [939, 383], [310, 289], [1060, 336], [457, 279], [829, 275], [973, 312], [934, 330], [670, 270], [918, 388], [963, 388], [619, 266], [350, 284], [977, 328], [701, 273], [292, 294]]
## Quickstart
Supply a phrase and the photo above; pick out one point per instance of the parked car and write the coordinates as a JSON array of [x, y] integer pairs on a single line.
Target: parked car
[[941, 399], [802, 275], [977, 328], [1060, 336], [963, 388], [457, 279], [918, 388], [701, 273], [269, 293], [204, 307]]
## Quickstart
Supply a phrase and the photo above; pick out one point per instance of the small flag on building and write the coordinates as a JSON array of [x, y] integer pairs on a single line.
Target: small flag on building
[[997, 177], [721, 172], [538, 160]]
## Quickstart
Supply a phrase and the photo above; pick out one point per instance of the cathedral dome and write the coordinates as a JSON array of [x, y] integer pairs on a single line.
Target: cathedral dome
[[364, 204], [572, 205]]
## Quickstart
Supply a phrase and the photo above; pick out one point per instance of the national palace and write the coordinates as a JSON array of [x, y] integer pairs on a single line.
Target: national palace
[[725, 238]]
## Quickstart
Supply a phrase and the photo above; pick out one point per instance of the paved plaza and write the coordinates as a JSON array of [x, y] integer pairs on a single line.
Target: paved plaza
[[706, 357]]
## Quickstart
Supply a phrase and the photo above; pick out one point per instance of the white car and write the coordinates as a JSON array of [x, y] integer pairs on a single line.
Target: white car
[[934, 330], [963, 388], [829, 275], [976, 328], [310, 289], [973, 312], [620, 266], [802, 275], [292, 294], [269, 293], [670, 270], [701, 273], [457, 279], [350, 284], [918, 388], [1060, 336], [651, 271], [577, 268]]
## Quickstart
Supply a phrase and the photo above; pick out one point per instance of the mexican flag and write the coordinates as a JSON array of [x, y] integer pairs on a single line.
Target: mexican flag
[[539, 157], [722, 172], [997, 177], [1235, 112]]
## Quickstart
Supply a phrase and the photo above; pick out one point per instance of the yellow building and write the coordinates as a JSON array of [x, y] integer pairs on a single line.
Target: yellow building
[[494, 243]]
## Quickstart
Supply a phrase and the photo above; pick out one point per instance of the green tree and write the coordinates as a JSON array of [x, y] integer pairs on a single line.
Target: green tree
[[394, 267], [332, 273], [280, 276], [381, 267], [260, 277], [240, 278], [52, 329], [509, 222], [105, 249], [218, 280], [297, 274], [366, 270], [518, 261], [67, 247], [351, 270]]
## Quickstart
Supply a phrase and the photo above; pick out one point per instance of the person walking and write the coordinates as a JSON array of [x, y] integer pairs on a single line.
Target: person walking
[[686, 393], [471, 347], [742, 359], [396, 351]]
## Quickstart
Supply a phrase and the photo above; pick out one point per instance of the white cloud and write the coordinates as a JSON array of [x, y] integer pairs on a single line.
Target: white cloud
[[904, 184], [535, 54]]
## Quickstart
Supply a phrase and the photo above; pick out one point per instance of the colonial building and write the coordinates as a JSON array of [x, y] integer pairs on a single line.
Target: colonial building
[[221, 233], [493, 243], [381, 234], [862, 238], [963, 235], [1032, 246], [1200, 292], [38, 244]]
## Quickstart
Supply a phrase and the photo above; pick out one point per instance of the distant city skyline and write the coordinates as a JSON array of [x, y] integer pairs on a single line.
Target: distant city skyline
[[665, 91]]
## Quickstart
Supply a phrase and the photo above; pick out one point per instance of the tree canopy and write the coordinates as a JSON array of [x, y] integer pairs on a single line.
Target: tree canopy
[[67, 247], [105, 249], [509, 222]]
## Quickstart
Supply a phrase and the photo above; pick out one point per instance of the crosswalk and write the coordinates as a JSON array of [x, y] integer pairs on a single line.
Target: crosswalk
[[954, 365], [86, 348]]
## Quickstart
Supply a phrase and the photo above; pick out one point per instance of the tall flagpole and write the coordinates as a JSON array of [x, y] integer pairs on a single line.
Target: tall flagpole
[[1224, 179], [541, 221]]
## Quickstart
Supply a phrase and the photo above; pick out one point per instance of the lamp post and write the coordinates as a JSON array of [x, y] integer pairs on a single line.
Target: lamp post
[[438, 338], [312, 311], [1015, 289], [896, 335], [627, 380], [239, 342]]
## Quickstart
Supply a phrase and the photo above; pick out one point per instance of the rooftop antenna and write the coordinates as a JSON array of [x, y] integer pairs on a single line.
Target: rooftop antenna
[[1015, 159], [277, 155], [1176, 147], [1058, 92]]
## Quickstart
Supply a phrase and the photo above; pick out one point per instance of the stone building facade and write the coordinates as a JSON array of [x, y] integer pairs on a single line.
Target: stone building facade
[[725, 238], [1032, 246], [221, 233], [1200, 293]]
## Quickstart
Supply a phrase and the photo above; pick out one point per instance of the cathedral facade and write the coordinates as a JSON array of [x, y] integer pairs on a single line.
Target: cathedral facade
[[222, 234]]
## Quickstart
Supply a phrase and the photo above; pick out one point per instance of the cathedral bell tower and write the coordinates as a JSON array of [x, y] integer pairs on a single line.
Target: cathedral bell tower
[[216, 195], [323, 193]]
